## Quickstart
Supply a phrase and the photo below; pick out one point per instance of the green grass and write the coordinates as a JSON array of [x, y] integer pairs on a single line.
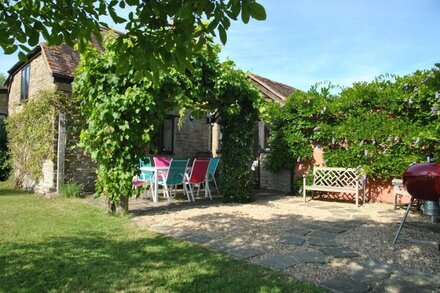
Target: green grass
[[66, 245]]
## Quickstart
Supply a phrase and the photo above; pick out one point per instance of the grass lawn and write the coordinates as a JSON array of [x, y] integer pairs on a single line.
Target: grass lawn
[[66, 245]]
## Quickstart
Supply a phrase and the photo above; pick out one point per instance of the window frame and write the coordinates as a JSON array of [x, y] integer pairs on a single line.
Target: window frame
[[162, 135], [25, 81]]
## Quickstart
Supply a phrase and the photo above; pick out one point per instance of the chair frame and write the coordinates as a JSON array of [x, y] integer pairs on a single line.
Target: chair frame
[[189, 176], [167, 186], [212, 178]]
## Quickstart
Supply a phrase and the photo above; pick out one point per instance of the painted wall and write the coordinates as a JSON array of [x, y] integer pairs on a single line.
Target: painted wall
[[381, 191]]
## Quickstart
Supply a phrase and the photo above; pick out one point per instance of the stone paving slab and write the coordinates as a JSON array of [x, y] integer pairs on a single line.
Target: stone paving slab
[[416, 281], [317, 241], [220, 246], [322, 234], [371, 271], [162, 229], [338, 252], [180, 234], [311, 257], [333, 229], [243, 252], [292, 240], [198, 238], [278, 261], [343, 284], [298, 231]]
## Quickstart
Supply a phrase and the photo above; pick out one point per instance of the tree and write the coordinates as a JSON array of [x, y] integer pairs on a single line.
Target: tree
[[121, 111], [2, 79], [159, 34]]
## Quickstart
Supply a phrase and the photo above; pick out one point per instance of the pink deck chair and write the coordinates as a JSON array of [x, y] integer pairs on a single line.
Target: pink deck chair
[[198, 175], [162, 162]]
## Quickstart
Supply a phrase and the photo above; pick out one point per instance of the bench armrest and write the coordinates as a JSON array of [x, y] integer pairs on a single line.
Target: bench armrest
[[305, 175]]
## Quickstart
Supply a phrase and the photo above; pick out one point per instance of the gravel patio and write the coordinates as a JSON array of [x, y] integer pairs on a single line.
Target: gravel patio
[[331, 243]]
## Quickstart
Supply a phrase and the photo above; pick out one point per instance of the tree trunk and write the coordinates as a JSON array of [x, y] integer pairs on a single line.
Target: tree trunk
[[111, 206], [123, 204]]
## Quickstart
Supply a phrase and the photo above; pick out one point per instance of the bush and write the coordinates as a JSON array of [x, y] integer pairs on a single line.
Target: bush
[[4, 156], [381, 126], [70, 190]]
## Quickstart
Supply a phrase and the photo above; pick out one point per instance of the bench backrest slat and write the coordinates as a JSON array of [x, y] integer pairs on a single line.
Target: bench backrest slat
[[335, 177]]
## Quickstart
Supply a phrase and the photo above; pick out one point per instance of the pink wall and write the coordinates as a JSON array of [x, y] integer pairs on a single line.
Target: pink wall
[[375, 190]]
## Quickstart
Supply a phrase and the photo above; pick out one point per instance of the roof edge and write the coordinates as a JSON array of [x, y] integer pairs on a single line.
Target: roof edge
[[269, 88]]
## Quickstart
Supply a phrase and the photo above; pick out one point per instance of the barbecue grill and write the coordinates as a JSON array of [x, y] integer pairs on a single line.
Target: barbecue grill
[[422, 182]]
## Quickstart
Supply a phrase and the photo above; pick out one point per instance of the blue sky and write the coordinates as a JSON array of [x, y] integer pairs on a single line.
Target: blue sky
[[307, 41]]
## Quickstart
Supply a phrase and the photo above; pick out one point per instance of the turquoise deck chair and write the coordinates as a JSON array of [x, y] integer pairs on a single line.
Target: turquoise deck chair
[[145, 177], [174, 177]]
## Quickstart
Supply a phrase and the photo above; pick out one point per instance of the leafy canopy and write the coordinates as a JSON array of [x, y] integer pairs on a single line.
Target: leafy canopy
[[159, 34], [121, 111], [383, 125]]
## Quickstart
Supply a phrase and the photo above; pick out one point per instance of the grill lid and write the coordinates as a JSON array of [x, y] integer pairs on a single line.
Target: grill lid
[[423, 181]]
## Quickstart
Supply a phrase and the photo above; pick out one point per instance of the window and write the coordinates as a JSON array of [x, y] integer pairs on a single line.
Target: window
[[166, 136], [25, 76]]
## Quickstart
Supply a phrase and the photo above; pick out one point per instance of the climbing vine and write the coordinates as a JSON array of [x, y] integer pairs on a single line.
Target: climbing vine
[[31, 135], [122, 110], [4, 156], [383, 125]]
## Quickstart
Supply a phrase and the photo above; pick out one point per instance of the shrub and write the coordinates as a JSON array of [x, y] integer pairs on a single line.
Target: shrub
[[382, 126], [70, 190], [4, 165]]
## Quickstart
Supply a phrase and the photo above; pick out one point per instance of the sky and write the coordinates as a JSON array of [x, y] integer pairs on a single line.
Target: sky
[[303, 42]]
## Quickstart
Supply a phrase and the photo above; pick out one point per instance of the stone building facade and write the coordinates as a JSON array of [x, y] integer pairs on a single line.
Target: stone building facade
[[3, 102], [52, 68]]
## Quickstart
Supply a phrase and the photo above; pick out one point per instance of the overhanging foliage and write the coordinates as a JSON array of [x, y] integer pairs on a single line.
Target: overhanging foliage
[[122, 109], [159, 34]]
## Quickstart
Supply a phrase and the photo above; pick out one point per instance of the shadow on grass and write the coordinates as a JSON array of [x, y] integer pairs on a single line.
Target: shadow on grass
[[7, 190], [97, 263]]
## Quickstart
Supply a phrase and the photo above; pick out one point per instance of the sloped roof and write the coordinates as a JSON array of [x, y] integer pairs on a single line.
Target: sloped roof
[[61, 60], [272, 89]]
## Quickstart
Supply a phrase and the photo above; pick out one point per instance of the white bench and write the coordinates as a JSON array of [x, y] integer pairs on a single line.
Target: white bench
[[342, 180], [399, 189]]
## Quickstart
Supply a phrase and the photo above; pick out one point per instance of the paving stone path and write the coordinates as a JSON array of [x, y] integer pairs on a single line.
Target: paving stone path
[[365, 276], [298, 247]]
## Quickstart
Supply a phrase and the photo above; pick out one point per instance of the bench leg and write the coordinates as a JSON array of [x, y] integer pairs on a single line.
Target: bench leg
[[357, 198], [304, 189], [395, 197]]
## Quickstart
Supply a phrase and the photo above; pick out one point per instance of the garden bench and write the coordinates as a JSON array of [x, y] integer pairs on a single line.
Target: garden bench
[[342, 180], [399, 189]]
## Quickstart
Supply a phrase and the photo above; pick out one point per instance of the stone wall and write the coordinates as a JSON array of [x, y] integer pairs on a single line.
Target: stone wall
[[280, 181], [40, 78], [3, 102], [78, 166], [191, 137]]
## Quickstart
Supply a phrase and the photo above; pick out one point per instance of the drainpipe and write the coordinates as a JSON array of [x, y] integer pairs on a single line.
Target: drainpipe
[[61, 150]]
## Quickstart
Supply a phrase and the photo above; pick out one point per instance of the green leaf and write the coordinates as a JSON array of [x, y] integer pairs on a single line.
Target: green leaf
[[245, 12], [257, 11], [222, 34]]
